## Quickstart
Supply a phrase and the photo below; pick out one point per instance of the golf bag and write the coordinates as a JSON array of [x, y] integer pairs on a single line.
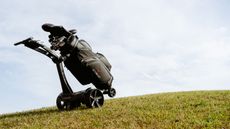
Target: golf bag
[[81, 61], [85, 65]]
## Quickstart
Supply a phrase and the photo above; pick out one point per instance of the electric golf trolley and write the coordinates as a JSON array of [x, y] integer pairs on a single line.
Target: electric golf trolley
[[78, 57]]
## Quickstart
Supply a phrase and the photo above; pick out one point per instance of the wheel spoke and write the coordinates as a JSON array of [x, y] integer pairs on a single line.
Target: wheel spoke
[[97, 103], [95, 94], [93, 103], [91, 97], [99, 97]]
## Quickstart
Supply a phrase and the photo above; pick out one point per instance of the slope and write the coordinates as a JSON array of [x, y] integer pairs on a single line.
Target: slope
[[197, 109]]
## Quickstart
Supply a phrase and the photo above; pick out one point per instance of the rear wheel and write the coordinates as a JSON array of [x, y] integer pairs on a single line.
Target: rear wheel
[[94, 98]]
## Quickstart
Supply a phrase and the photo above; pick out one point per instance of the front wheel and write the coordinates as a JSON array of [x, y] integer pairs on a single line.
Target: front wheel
[[64, 105], [61, 105], [112, 92]]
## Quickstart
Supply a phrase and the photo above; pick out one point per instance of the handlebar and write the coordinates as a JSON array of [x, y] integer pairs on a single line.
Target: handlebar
[[29, 42], [35, 45], [24, 41]]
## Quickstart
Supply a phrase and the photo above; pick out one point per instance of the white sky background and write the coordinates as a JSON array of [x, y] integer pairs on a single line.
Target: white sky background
[[154, 46]]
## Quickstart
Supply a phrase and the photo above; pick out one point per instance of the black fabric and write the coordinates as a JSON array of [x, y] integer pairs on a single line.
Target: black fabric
[[55, 30], [89, 67]]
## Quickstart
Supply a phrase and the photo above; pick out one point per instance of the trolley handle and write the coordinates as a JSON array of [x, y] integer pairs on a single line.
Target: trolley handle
[[24, 41], [30, 43]]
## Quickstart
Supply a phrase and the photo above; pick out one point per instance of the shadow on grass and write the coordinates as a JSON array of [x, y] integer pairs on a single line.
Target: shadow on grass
[[30, 113], [41, 112]]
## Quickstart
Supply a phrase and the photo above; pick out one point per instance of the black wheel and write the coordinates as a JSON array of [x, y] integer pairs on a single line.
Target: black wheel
[[112, 92], [94, 98], [62, 105]]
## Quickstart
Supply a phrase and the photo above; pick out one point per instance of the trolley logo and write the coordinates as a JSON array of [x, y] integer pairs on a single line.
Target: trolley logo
[[97, 72]]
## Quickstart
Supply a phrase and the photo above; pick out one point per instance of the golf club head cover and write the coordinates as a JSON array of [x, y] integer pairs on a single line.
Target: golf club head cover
[[55, 30]]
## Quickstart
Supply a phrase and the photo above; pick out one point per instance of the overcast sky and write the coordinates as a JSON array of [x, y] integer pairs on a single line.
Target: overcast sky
[[154, 46]]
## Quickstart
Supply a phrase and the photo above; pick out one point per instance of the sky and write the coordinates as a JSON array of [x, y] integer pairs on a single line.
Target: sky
[[154, 46]]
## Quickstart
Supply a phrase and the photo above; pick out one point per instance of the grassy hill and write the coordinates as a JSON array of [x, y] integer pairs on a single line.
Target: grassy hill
[[200, 109]]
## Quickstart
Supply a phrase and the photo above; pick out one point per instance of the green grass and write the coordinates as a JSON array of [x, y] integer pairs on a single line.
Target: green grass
[[195, 110]]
